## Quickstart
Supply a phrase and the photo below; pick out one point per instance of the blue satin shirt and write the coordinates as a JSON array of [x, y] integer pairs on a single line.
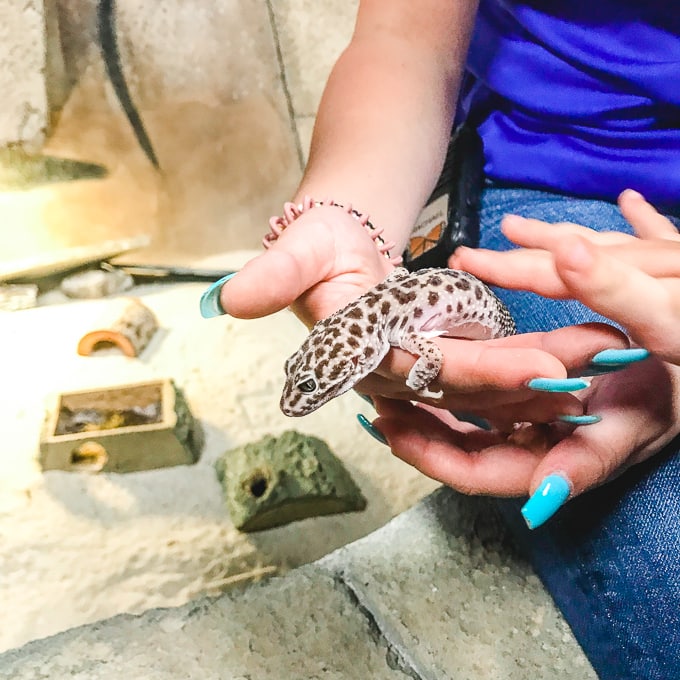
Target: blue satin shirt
[[579, 96]]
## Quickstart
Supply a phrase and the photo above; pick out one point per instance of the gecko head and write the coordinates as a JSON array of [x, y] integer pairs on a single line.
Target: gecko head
[[334, 357], [310, 385]]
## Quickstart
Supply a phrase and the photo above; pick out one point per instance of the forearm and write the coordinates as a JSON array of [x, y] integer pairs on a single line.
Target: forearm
[[387, 110]]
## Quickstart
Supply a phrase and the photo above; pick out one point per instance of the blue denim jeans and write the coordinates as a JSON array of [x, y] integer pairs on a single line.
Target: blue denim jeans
[[611, 557]]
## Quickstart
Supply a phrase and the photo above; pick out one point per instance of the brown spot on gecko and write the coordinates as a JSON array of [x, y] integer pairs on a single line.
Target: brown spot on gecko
[[369, 352], [373, 318], [449, 309], [449, 288], [355, 329], [433, 298], [370, 300], [353, 342], [435, 280], [417, 312], [385, 307], [355, 313], [337, 370], [478, 292], [459, 308], [462, 284], [337, 349], [401, 297]]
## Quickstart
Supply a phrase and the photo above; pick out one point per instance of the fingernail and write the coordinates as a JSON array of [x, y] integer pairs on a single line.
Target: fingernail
[[513, 217], [580, 420], [632, 193], [619, 357], [557, 384], [210, 300], [612, 360], [373, 431], [471, 418], [550, 496]]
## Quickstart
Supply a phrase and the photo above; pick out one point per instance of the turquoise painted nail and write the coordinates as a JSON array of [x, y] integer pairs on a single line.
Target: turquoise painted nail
[[612, 360], [557, 384], [619, 357], [580, 420], [471, 418], [210, 300], [373, 431], [550, 496]]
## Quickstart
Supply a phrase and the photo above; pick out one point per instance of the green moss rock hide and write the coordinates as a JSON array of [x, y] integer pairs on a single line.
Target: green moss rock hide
[[278, 480]]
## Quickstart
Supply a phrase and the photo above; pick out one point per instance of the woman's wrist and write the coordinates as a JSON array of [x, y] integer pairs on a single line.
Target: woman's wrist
[[291, 211]]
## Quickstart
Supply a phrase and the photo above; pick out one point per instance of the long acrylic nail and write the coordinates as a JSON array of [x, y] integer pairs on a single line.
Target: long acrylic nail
[[580, 420], [557, 384], [373, 431], [471, 418], [612, 360], [210, 300], [550, 496], [619, 357]]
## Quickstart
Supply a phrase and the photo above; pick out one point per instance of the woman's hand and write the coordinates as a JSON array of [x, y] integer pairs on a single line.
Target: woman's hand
[[322, 261], [325, 259], [640, 409], [634, 281], [490, 378]]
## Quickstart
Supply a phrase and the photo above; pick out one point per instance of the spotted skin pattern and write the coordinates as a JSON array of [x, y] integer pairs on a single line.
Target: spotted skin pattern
[[405, 310]]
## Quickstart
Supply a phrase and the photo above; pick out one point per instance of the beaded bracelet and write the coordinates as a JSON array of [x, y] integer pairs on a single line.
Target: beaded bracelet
[[291, 212]]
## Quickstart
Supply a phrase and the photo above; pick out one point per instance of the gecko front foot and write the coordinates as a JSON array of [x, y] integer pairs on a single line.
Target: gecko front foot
[[426, 368], [419, 379]]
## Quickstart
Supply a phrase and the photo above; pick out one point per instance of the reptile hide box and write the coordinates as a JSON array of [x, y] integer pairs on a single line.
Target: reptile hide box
[[120, 429]]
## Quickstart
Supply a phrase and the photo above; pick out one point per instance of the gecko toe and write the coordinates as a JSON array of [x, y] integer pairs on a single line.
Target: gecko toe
[[430, 394]]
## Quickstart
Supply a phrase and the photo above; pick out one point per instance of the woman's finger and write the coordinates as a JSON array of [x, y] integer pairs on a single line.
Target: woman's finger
[[642, 304], [476, 462], [532, 233], [647, 222], [524, 269], [636, 423], [267, 284]]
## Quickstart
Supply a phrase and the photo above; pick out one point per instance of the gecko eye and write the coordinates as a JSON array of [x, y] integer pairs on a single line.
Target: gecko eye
[[307, 386]]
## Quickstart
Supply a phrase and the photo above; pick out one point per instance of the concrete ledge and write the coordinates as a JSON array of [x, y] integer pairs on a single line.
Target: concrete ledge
[[439, 592], [454, 599], [298, 627]]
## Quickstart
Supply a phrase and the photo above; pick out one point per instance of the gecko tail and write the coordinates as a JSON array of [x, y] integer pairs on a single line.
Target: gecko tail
[[108, 43]]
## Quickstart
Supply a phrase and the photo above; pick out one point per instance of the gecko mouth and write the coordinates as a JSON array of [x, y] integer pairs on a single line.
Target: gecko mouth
[[288, 407]]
